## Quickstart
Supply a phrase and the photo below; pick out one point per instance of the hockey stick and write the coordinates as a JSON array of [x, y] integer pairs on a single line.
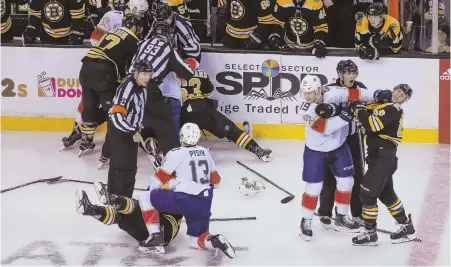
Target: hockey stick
[[82, 182], [283, 201], [233, 219], [377, 229], [55, 179], [362, 149]]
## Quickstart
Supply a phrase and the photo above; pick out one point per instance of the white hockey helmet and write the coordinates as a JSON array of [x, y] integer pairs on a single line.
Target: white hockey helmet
[[311, 88], [138, 7], [189, 134]]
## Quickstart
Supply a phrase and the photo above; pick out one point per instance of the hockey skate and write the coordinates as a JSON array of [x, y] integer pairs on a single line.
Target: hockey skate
[[247, 127], [405, 233], [102, 193], [326, 222], [366, 238], [86, 146], [153, 244], [266, 155], [70, 140], [359, 220], [103, 161], [83, 205], [344, 222], [219, 242], [306, 229]]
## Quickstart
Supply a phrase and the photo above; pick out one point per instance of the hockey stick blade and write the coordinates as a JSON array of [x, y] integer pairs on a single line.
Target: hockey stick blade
[[380, 231], [33, 182], [283, 201]]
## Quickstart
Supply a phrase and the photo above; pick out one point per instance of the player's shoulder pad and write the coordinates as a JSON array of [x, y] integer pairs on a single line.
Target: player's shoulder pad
[[394, 106], [285, 3], [392, 23], [362, 25], [313, 4], [201, 74]]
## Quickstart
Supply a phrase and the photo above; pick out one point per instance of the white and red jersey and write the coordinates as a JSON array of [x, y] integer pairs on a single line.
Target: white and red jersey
[[110, 21], [190, 170], [338, 95]]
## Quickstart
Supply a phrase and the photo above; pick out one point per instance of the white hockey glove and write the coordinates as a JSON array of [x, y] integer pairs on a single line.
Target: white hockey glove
[[249, 188]]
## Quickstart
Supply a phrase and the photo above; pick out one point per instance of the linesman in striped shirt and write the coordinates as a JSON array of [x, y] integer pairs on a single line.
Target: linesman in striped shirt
[[126, 116]]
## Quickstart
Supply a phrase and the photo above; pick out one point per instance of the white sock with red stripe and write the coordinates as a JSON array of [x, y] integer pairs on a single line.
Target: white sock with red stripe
[[150, 215], [343, 194], [200, 242], [310, 199]]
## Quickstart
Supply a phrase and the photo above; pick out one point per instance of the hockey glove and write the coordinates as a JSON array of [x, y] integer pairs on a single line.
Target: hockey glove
[[356, 106], [77, 37], [274, 42], [383, 96], [319, 49], [253, 42], [345, 115], [366, 52], [29, 35], [325, 110]]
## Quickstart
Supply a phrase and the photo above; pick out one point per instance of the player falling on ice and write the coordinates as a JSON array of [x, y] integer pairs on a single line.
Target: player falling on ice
[[190, 194], [325, 147]]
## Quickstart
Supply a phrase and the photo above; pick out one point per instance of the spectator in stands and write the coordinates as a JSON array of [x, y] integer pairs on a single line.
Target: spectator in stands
[[61, 21], [340, 19], [377, 34]]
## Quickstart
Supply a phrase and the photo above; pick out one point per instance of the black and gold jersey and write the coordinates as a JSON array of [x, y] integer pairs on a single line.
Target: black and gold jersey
[[197, 87], [306, 25], [58, 17], [383, 124], [387, 38], [6, 16], [117, 47]]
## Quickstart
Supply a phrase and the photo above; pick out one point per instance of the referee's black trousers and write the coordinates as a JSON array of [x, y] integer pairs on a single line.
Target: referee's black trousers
[[123, 162], [327, 197]]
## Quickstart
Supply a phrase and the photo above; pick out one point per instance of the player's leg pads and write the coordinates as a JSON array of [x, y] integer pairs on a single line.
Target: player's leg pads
[[315, 165], [310, 199], [224, 127], [340, 161]]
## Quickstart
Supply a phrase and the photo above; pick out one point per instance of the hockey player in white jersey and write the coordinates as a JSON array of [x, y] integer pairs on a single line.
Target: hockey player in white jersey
[[190, 173], [113, 18]]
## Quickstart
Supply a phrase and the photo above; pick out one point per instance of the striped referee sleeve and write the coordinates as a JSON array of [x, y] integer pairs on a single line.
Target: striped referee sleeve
[[121, 104], [189, 41]]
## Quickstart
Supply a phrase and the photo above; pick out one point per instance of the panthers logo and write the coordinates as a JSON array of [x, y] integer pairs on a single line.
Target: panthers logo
[[236, 10], [298, 26], [54, 11]]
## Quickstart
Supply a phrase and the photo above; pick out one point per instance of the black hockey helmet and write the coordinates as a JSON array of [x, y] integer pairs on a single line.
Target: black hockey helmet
[[162, 29], [132, 20], [406, 89], [160, 11], [345, 66], [142, 65], [375, 9]]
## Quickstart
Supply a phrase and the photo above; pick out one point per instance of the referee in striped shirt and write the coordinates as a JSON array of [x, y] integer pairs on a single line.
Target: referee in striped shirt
[[126, 116]]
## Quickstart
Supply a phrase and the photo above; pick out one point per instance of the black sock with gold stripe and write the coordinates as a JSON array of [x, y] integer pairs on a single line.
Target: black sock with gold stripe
[[125, 205], [243, 140], [369, 215], [106, 214], [397, 211]]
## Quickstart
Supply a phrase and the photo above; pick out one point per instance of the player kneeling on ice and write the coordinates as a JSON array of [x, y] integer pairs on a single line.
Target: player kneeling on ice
[[325, 147], [190, 194]]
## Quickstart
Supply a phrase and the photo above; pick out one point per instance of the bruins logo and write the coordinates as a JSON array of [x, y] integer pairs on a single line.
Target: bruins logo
[[181, 9], [3, 8], [298, 26], [54, 11], [236, 10], [359, 16]]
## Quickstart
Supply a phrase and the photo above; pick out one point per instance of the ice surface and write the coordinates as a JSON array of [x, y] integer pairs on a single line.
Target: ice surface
[[39, 224]]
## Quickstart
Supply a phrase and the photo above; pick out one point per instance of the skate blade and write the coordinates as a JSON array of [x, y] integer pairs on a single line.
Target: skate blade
[[407, 239], [370, 244], [340, 228], [98, 187], [305, 237], [62, 148], [78, 199], [269, 157], [84, 152], [101, 164], [152, 250], [326, 226], [229, 251]]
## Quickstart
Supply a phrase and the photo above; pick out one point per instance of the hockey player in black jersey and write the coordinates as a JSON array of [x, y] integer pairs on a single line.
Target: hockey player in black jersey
[[62, 22], [347, 72], [198, 108], [103, 66], [383, 125], [126, 213]]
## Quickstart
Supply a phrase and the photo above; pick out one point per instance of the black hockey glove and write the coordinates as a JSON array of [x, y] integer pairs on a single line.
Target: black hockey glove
[[325, 110], [366, 52], [253, 42], [356, 106], [274, 42], [346, 115], [319, 49], [29, 35], [77, 37], [383, 96]]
